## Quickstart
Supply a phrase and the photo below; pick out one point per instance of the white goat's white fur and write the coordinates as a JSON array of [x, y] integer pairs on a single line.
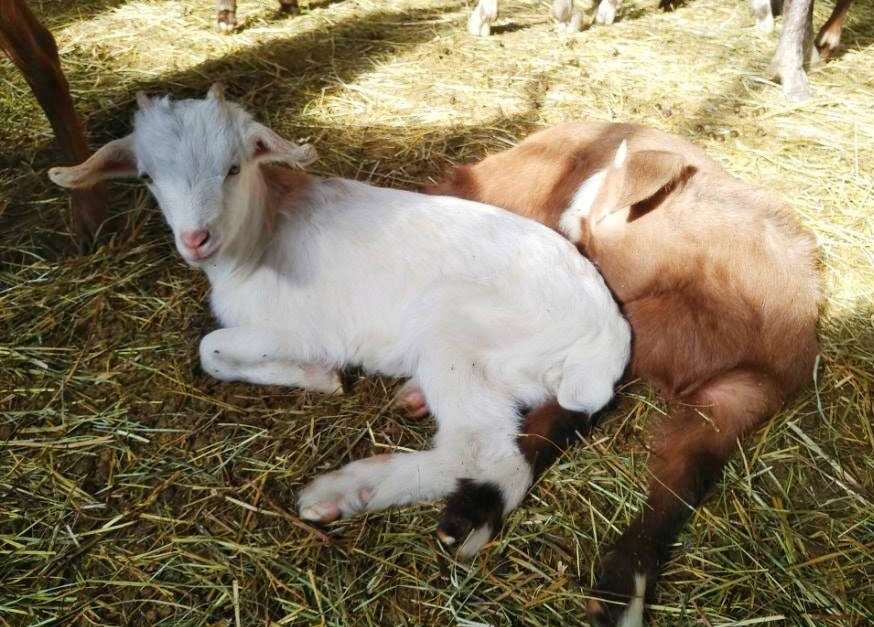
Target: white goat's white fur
[[487, 311]]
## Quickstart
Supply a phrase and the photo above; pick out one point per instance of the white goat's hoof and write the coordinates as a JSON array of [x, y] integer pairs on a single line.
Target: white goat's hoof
[[412, 401], [766, 24], [344, 492], [796, 87], [606, 13], [573, 25], [225, 22], [576, 23], [479, 24], [477, 27]]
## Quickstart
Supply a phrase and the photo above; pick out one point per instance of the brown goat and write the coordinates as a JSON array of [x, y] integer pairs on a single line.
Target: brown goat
[[32, 49], [719, 282]]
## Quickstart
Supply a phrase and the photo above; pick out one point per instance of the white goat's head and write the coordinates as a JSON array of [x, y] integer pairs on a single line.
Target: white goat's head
[[197, 157]]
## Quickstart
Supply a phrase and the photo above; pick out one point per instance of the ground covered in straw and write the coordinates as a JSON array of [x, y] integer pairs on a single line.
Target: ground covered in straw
[[135, 490]]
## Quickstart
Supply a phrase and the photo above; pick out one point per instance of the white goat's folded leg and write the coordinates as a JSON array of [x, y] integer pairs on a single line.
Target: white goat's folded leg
[[264, 357]]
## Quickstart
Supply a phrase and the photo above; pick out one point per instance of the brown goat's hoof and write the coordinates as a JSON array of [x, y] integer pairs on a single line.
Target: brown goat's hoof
[[620, 591], [226, 22]]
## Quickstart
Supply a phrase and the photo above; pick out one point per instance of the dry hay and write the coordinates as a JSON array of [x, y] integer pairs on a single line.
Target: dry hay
[[135, 490]]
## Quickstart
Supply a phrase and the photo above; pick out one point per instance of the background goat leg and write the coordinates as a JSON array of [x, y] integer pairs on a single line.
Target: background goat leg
[[226, 15], [33, 50], [794, 47], [829, 37]]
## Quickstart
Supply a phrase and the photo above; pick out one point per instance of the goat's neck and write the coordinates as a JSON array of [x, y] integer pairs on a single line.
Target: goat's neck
[[242, 253]]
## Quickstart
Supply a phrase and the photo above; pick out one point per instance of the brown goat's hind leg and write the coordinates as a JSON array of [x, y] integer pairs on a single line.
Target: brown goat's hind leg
[[688, 457], [33, 50]]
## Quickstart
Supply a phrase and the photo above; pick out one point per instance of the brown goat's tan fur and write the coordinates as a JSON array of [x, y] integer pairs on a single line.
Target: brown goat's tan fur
[[718, 280]]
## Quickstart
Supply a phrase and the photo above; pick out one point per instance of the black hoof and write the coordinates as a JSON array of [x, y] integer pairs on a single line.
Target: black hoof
[[472, 516]]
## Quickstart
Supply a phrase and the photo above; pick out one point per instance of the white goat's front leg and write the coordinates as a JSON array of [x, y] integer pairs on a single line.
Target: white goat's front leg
[[607, 10], [796, 41], [482, 17], [482, 471], [476, 460], [378, 482], [263, 357]]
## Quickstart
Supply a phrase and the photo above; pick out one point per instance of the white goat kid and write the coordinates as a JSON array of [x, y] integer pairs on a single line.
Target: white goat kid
[[486, 311]]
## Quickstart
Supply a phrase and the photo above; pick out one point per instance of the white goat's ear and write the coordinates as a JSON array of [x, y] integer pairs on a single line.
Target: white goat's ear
[[216, 92], [265, 146], [114, 160]]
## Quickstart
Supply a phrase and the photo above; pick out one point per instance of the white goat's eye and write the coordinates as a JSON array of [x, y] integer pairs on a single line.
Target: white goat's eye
[[234, 170], [144, 176]]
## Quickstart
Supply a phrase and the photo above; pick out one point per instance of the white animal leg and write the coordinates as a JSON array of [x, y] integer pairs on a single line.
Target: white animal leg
[[264, 357], [475, 460], [378, 482], [569, 20], [788, 62], [764, 17], [607, 10], [226, 15], [482, 17]]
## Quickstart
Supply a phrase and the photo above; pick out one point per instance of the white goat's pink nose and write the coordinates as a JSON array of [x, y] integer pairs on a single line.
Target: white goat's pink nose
[[194, 239]]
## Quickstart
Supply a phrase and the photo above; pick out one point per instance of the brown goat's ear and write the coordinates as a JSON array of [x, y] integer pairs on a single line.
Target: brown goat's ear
[[265, 146], [648, 172], [114, 160]]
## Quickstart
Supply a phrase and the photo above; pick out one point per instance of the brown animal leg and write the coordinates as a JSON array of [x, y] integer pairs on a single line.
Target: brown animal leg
[[688, 457], [33, 50], [226, 15], [288, 6], [829, 37]]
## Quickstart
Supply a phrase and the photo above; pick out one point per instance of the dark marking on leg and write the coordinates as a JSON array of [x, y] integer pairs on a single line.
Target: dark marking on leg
[[548, 431], [474, 505]]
